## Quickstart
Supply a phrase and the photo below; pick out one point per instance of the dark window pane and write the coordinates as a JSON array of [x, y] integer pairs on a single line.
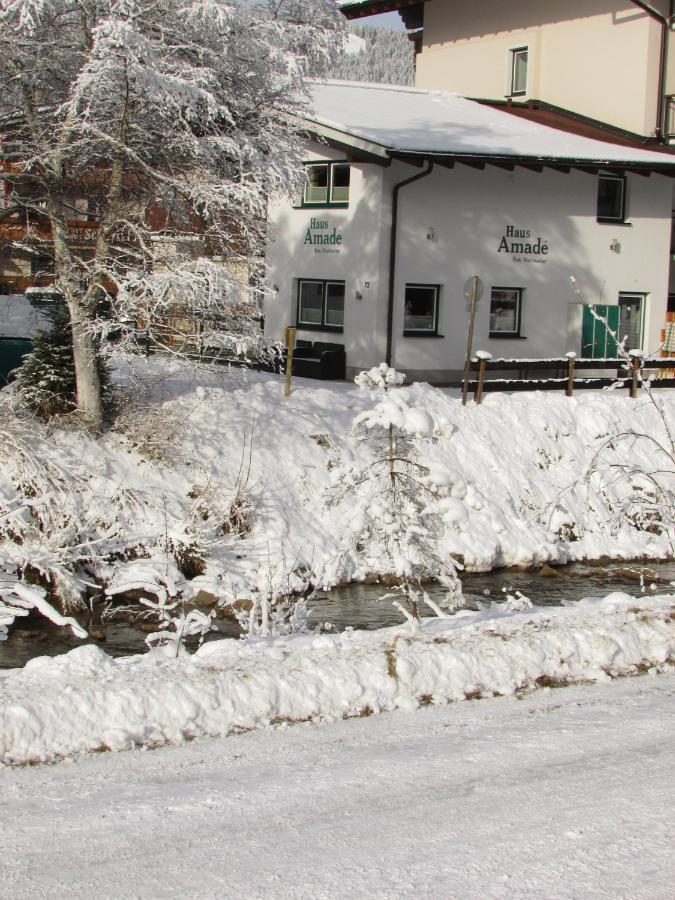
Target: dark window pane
[[335, 304], [504, 303], [340, 191], [610, 198], [311, 303], [420, 309], [316, 189]]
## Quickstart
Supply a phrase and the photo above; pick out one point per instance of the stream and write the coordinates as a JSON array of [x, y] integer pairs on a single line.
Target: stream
[[361, 606]]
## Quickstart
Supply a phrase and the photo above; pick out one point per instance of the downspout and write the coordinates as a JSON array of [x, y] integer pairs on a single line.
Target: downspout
[[665, 22], [392, 252]]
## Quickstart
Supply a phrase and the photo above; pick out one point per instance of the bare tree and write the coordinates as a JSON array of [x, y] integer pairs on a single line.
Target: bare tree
[[164, 125]]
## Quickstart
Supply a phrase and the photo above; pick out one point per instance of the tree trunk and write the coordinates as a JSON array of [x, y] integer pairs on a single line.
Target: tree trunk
[[87, 377], [89, 399]]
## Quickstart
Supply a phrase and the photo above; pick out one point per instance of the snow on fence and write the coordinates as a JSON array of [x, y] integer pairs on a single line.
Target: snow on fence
[[531, 374]]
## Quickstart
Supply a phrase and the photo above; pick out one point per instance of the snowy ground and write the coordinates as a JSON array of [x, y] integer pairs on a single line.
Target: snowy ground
[[562, 794]]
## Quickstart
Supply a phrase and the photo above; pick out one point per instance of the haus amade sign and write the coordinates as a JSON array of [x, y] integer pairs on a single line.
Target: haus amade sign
[[523, 245], [322, 237]]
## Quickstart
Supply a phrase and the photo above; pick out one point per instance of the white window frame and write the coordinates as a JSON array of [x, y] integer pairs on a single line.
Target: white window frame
[[519, 312], [514, 53], [423, 332], [323, 325], [330, 166], [623, 181]]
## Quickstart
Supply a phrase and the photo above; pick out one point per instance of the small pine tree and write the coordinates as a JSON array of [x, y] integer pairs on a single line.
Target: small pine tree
[[398, 508], [46, 379]]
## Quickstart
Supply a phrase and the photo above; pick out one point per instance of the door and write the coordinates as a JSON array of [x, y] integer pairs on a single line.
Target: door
[[597, 339], [631, 315]]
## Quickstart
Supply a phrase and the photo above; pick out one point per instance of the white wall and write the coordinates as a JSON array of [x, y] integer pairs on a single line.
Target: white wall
[[361, 262], [469, 211]]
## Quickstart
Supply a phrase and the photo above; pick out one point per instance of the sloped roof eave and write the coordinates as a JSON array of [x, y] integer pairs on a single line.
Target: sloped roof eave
[[333, 134]]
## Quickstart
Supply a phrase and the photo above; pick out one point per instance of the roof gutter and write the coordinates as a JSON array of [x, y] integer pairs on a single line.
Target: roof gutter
[[665, 22], [392, 253]]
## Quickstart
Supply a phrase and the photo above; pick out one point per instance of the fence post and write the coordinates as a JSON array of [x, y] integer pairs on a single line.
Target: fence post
[[289, 337], [635, 365], [571, 356], [482, 356]]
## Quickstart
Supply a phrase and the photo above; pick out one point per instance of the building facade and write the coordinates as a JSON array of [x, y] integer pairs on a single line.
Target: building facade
[[411, 193]]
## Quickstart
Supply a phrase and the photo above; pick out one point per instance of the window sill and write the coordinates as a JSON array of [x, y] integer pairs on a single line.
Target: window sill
[[620, 223], [506, 337], [322, 206], [423, 334], [334, 329]]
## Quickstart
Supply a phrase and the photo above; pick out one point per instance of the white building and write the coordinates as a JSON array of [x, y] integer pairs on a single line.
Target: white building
[[410, 193]]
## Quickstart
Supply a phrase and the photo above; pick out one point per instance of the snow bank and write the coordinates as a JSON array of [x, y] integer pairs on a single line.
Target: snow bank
[[86, 701], [215, 485]]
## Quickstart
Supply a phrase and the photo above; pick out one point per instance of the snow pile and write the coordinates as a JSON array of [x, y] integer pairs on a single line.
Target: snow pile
[[86, 701]]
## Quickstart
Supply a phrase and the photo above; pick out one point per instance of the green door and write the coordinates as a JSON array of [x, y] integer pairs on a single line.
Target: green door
[[596, 340]]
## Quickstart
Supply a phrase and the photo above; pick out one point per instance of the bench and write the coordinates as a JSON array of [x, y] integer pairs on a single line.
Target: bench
[[319, 359]]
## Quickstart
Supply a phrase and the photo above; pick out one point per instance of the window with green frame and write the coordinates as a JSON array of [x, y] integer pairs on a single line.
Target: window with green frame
[[321, 304], [326, 184]]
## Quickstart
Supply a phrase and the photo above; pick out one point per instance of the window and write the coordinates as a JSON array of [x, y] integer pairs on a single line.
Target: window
[[611, 198], [518, 77], [41, 265], [421, 310], [326, 184], [321, 304], [505, 310]]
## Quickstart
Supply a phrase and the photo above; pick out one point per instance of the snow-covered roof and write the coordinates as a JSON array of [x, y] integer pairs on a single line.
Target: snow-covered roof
[[19, 318], [408, 120]]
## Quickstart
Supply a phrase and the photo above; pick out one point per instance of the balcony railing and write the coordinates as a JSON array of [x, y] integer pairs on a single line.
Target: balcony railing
[[77, 232]]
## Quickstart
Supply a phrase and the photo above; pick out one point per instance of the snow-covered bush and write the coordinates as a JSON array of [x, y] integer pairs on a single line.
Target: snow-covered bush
[[17, 599], [398, 506], [634, 492]]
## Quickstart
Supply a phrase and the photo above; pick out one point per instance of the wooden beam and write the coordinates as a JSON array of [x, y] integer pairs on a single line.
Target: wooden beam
[[501, 164], [473, 163]]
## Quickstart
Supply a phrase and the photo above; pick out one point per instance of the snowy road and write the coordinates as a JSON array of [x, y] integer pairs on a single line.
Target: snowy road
[[563, 794]]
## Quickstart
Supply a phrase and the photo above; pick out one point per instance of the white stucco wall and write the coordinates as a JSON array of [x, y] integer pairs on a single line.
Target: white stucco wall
[[469, 212], [598, 58], [362, 261]]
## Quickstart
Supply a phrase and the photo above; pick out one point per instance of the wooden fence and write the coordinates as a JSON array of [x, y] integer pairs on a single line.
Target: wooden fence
[[563, 374]]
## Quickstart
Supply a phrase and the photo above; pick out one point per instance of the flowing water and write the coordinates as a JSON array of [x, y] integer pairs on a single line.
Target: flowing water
[[361, 606]]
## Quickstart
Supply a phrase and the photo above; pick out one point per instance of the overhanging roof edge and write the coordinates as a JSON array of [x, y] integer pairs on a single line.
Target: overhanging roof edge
[[668, 161]]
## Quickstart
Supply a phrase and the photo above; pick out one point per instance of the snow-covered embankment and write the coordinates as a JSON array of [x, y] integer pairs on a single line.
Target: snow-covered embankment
[[86, 701]]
